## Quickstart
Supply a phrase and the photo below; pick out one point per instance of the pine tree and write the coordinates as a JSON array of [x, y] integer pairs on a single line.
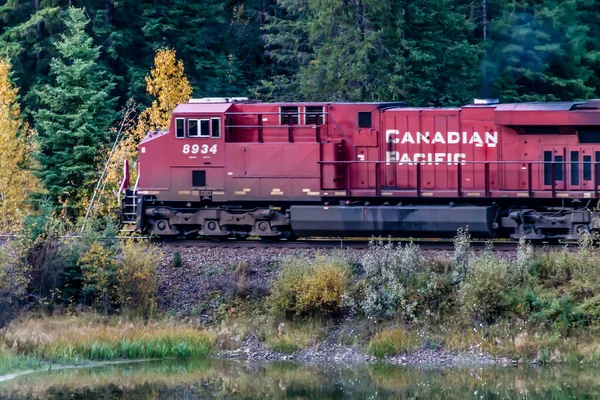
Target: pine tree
[[543, 51], [440, 54], [76, 110], [421, 52], [16, 179], [27, 30]]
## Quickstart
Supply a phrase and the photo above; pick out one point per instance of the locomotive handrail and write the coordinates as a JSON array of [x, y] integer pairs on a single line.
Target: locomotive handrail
[[594, 166], [260, 126]]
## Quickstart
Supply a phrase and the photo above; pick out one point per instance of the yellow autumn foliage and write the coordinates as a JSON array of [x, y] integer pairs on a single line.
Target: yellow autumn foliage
[[169, 86], [310, 287], [16, 144]]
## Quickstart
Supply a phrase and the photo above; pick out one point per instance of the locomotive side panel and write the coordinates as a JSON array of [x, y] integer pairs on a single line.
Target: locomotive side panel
[[425, 147], [272, 172]]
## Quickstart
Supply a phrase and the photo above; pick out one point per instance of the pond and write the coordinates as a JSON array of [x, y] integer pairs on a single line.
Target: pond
[[219, 379]]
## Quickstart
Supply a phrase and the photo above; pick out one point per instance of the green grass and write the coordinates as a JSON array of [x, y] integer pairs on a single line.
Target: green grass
[[394, 341], [76, 339], [10, 362]]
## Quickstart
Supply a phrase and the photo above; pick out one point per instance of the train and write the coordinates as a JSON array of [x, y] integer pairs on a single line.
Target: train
[[236, 168]]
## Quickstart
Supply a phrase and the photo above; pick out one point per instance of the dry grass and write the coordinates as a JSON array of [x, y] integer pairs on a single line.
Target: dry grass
[[392, 341], [89, 337]]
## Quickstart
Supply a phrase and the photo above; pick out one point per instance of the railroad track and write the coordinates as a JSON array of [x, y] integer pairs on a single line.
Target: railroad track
[[442, 245], [320, 243]]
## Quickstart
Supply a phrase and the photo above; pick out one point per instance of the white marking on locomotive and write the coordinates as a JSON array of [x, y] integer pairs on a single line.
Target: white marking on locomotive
[[425, 158], [196, 148], [490, 139]]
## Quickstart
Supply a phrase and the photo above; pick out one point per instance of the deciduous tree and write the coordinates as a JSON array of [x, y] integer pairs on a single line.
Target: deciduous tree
[[169, 86], [16, 179]]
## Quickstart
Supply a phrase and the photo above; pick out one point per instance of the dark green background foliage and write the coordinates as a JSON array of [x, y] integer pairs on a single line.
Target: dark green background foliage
[[420, 51], [423, 52]]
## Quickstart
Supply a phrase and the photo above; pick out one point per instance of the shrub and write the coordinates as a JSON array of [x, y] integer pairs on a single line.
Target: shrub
[[177, 260], [525, 257], [13, 283], [310, 288], [463, 253], [483, 294], [387, 268], [137, 277], [393, 341], [99, 272]]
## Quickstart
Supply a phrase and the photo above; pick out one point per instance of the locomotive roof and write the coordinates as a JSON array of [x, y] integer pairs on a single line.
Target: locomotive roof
[[222, 107], [219, 107], [202, 107], [538, 106]]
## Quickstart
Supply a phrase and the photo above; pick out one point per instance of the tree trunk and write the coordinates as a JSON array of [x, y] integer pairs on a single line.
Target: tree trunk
[[108, 12]]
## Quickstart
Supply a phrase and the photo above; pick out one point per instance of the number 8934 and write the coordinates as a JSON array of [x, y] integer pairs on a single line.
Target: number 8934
[[202, 149]]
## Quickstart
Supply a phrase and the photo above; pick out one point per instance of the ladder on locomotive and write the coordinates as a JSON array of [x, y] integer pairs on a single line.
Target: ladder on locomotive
[[129, 210]]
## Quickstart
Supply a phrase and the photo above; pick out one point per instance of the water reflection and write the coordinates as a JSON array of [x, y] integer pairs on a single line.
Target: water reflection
[[217, 379]]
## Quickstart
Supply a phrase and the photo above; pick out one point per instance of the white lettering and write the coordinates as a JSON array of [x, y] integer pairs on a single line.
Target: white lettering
[[453, 137], [459, 157], [439, 157], [425, 158], [388, 136], [476, 139], [438, 138], [405, 159], [391, 156], [407, 138], [423, 138], [491, 139]]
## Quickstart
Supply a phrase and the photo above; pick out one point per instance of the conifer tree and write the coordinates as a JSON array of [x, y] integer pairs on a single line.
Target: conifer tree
[[543, 51], [421, 51], [76, 110], [16, 179], [441, 59]]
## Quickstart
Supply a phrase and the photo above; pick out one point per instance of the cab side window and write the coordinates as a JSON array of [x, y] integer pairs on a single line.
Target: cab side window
[[180, 128]]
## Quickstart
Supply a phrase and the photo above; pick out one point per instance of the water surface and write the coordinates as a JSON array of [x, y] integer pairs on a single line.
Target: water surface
[[218, 379]]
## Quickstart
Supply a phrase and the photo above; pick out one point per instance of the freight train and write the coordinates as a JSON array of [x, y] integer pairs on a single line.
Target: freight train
[[234, 168]]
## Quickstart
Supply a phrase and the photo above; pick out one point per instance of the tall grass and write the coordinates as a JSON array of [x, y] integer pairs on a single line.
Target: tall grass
[[73, 339], [10, 362]]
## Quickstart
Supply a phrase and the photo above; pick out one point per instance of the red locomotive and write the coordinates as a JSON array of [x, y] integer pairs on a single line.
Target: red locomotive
[[237, 168]]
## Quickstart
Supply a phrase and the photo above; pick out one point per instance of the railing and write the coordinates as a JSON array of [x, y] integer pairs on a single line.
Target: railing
[[539, 171], [290, 127]]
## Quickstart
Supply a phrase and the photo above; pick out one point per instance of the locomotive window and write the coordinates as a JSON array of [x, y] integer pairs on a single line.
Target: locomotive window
[[587, 168], [180, 128], [589, 134], [560, 167], [289, 115], [314, 115], [574, 168], [547, 168], [198, 178], [204, 128], [215, 127], [192, 128], [364, 119]]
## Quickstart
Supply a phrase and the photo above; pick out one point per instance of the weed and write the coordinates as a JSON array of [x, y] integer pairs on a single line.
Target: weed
[[177, 260], [393, 341]]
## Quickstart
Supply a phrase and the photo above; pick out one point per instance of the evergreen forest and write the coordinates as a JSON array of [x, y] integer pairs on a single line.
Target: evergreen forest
[[74, 67]]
